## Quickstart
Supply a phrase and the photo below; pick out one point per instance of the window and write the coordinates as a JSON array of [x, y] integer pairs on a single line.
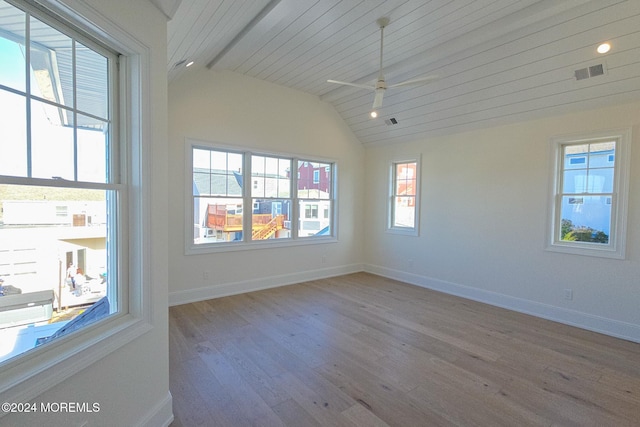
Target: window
[[590, 194], [272, 196], [282, 188], [314, 192], [403, 199], [61, 192]]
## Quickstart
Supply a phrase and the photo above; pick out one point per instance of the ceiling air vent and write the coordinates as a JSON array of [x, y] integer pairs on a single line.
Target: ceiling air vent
[[391, 121], [592, 71]]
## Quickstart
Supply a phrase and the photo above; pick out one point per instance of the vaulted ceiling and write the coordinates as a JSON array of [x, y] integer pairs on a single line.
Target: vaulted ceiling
[[498, 61]]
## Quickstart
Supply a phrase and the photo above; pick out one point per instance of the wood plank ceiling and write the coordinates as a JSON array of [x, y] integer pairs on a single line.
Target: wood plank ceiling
[[498, 61]]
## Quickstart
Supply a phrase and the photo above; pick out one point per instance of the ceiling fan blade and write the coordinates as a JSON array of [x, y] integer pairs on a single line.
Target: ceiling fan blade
[[377, 101], [415, 81], [352, 84]]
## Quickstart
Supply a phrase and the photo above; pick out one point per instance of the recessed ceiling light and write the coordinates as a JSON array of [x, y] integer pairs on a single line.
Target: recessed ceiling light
[[189, 64], [604, 48], [373, 114]]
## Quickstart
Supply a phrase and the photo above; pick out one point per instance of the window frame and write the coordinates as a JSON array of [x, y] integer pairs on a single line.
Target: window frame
[[191, 248], [24, 377], [616, 246], [391, 228]]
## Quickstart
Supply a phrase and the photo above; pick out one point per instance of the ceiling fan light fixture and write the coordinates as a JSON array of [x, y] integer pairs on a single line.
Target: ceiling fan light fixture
[[377, 100], [381, 86]]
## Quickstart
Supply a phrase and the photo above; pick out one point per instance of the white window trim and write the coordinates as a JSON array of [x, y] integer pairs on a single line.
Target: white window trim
[[406, 231], [617, 236], [25, 377], [193, 249]]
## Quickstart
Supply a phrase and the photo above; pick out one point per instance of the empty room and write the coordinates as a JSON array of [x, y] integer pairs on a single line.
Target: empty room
[[320, 212]]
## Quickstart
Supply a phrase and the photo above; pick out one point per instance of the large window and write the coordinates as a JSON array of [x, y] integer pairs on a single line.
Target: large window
[[61, 196], [403, 197], [288, 200], [589, 195]]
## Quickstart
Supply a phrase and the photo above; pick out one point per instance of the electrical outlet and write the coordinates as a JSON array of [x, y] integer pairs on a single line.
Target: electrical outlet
[[568, 294], [324, 259], [205, 275]]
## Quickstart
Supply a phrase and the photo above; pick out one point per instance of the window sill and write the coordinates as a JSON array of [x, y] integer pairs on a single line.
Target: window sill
[[247, 246], [403, 231], [27, 376], [586, 250]]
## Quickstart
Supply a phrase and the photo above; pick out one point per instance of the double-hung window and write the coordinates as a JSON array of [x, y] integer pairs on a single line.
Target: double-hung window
[[61, 192], [403, 197], [589, 189], [288, 200], [271, 197]]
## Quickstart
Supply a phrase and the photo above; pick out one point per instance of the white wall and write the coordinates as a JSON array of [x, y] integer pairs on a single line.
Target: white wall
[[131, 383], [235, 110], [484, 218]]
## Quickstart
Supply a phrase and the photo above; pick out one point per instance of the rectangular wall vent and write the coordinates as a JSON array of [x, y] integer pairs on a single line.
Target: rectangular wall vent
[[588, 72], [391, 121]]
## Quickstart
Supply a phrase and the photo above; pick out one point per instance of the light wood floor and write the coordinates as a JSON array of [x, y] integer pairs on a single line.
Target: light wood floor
[[361, 350]]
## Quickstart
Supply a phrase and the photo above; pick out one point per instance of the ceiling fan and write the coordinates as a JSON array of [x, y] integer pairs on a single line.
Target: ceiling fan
[[381, 86]]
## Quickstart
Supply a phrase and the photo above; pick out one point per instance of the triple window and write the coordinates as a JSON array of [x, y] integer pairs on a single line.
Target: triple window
[[288, 198]]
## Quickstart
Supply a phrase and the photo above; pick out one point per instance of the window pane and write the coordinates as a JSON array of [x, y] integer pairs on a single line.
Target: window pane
[[51, 65], [270, 177], [12, 41], [575, 156], [588, 168], [312, 220], [92, 151], [314, 180], [404, 211], [271, 219], [54, 251], [405, 187], [216, 173], [600, 180], [52, 152], [217, 219], [201, 159], [13, 142], [574, 181], [585, 219], [92, 82], [599, 154]]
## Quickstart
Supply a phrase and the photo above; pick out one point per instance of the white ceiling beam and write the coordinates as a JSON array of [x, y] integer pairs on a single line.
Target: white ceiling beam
[[256, 19]]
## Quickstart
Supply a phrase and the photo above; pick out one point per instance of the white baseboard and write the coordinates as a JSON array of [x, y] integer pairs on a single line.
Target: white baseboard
[[234, 288], [160, 415], [603, 325], [615, 328]]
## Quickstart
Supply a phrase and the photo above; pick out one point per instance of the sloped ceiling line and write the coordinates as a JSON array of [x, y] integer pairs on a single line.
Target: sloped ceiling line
[[168, 7]]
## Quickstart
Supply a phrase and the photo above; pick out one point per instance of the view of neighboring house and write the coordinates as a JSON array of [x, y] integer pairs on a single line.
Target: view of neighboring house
[[220, 219], [586, 187]]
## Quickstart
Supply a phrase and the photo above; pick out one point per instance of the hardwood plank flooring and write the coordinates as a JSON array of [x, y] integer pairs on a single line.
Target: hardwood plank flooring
[[362, 350]]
